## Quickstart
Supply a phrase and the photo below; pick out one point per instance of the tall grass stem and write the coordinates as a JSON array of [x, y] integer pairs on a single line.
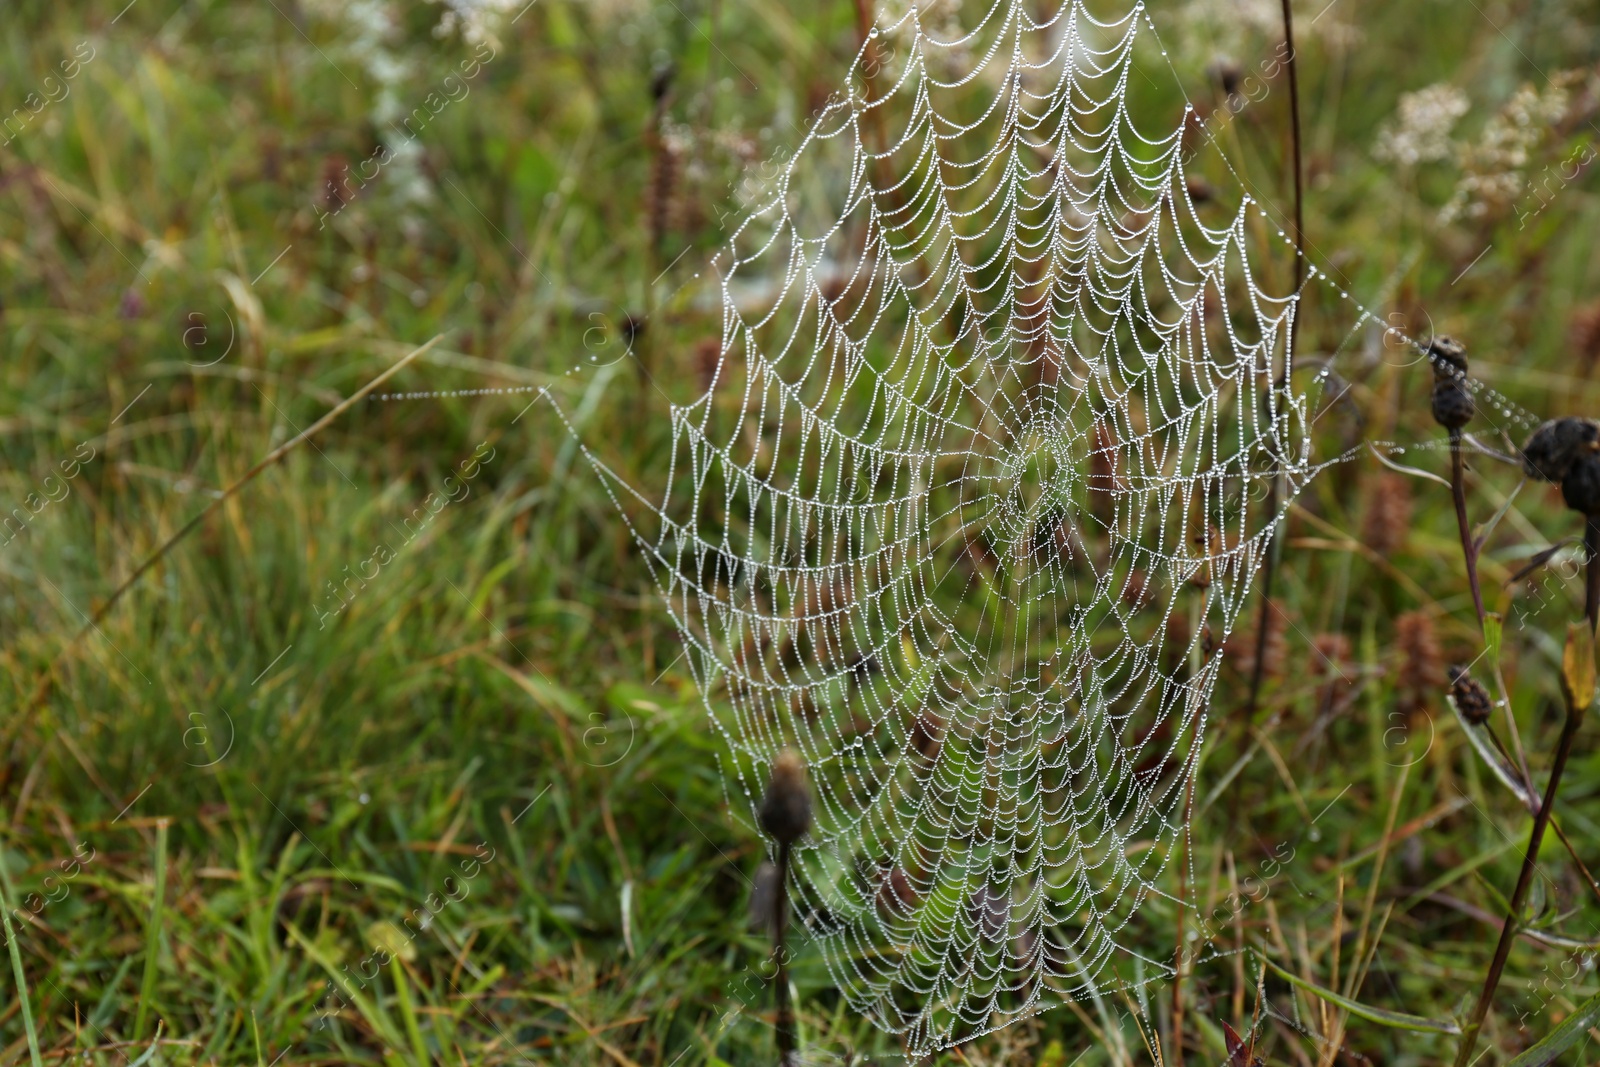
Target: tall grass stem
[[152, 935], [7, 895]]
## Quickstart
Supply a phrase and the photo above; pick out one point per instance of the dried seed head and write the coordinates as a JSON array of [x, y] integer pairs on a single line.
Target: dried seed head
[[1470, 697], [786, 809], [1330, 654], [1228, 75], [1417, 648], [1567, 451], [1240, 648], [1452, 404], [661, 82], [1388, 518], [1581, 487], [1452, 401], [1552, 449], [1584, 333], [1448, 356]]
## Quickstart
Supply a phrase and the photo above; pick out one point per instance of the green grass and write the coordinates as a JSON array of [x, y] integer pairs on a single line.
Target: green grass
[[231, 796]]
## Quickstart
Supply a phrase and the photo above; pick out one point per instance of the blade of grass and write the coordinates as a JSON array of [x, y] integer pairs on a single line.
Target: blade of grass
[[1397, 1019], [376, 1018], [408, 1012], [7, 894], [1562, 1037], [150, 1053], [152, 935], [1377, 868]]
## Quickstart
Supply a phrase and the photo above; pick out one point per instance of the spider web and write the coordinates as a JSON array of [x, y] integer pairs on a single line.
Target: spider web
[[976, 491]]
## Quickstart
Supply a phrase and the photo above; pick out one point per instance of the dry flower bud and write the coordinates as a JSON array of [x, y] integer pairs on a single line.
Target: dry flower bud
[[1470, 697], [1452, 403], [1555, 446], [1581, 487], [1449, 357], [786, 809]]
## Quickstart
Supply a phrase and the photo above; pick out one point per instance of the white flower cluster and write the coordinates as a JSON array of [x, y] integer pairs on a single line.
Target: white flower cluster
[[1247, 28], [1493, 166], [374, 32], [1420, 130], [475, 20]]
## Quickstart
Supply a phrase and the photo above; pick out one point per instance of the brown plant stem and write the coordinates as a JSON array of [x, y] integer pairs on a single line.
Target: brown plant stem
[[1288, 362], [1177, 978], [1258, 669], [872, 53], [1508, 932], [1572, 850], [784, 1023], [1294, 133], [1469, 547]]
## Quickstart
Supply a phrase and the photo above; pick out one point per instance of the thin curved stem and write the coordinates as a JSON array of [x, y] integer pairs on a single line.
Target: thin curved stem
[[1508, 932], [1294, 130]]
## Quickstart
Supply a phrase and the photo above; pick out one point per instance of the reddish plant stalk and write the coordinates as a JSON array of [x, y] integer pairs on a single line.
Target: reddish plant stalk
[[784, 1023], [1288, 364], [1508, 932]]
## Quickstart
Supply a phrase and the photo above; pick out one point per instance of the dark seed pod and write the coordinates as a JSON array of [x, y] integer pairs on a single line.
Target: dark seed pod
[[661, 82], [1228, 75], [1471, 698], [1448, 356], [786, 809], [1581, 487], [1554, 447], [1452, 403]]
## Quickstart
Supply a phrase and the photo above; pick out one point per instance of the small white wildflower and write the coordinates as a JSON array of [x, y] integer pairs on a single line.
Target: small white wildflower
[[1494, 165], [1239, 27], [1420, 130], [475, 20]]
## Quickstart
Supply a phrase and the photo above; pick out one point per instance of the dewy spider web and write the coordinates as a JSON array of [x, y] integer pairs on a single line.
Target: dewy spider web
[[975, 493]]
